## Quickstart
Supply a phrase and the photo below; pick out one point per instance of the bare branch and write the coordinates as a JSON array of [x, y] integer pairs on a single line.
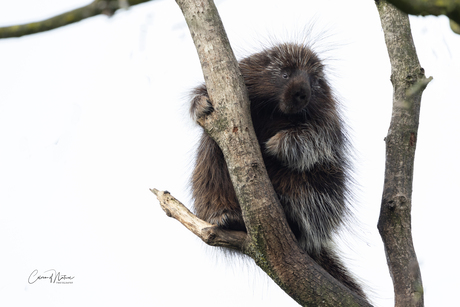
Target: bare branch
[[394, 224], [450, 8], [97, 7], [210, 234]]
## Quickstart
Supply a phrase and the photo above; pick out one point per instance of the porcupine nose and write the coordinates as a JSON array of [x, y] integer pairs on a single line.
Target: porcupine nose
[[301, 94], [297, 95]]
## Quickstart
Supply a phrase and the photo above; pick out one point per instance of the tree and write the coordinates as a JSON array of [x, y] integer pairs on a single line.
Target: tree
[[412, 140], [268, 242]]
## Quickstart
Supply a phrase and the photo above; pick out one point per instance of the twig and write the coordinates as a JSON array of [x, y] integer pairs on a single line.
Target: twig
[[97, 7]]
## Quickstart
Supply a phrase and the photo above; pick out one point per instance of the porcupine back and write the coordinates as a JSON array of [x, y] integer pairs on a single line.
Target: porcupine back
[[305, 150]]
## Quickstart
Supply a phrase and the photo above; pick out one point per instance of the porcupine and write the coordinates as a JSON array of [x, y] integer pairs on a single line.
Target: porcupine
[[305, 150]]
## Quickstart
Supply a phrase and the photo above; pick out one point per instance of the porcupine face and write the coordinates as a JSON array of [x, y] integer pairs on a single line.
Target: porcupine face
[[295, 90], [284, 79]]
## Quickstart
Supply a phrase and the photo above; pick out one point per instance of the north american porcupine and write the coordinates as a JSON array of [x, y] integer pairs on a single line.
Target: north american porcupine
[[305, 150]]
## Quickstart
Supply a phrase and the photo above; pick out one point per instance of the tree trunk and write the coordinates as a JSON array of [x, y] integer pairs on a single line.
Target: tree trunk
[[394, 224]]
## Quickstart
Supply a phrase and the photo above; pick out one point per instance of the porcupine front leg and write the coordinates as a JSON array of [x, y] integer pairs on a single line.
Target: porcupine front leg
[[300, 148]]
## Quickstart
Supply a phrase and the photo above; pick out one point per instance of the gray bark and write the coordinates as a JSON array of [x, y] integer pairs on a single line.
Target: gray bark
[[408, 79]]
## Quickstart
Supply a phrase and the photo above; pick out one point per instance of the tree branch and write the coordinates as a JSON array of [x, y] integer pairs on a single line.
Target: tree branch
[[210, 234], [215, 236], [395, 216], [450, 8], [97, 7]]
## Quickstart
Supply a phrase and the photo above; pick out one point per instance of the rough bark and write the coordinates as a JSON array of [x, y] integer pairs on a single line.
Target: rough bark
[[408, 79], [450, 8], [97, 7]]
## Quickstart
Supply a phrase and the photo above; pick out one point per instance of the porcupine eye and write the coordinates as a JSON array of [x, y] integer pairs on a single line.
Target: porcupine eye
[[285, 76]]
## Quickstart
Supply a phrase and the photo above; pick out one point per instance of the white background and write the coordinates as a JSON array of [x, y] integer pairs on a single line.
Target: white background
[[94, 114]]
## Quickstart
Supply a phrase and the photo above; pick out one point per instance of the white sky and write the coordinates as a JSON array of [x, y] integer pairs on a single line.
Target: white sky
[[94, 114]]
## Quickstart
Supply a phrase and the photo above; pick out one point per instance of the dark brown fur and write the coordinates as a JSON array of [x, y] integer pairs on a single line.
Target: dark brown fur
[[305, 151]]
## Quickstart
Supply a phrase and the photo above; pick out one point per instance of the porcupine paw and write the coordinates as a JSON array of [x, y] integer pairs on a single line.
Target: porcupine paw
[[284, 146], [226, 219], [276, 144], [290, 148], [201, 106]]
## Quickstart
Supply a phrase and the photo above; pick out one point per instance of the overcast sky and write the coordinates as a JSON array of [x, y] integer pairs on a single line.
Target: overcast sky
[[94, 114]]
